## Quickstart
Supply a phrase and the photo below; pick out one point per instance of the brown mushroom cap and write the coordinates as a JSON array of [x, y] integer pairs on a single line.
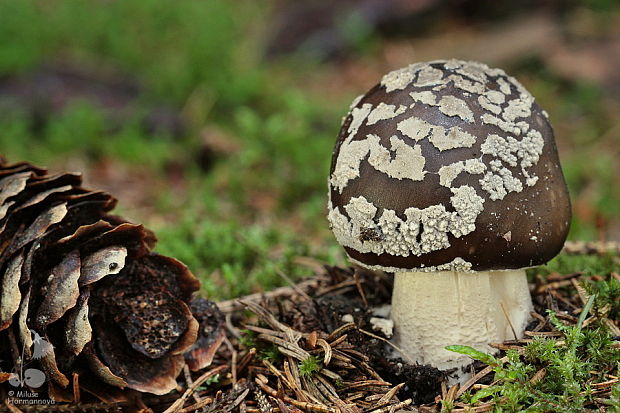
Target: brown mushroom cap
[[448, 165]]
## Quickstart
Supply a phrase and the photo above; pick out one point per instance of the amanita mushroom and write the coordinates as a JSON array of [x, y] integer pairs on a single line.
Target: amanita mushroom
[[447, 174]]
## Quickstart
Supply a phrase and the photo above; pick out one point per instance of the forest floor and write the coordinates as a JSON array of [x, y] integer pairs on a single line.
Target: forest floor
[[319, 346], [215, 130], [217, 133]]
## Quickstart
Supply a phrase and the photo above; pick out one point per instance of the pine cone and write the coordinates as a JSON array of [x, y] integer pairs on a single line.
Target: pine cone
[[83, 294]]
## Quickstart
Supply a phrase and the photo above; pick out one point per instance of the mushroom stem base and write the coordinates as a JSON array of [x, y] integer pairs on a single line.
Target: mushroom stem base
[[432, 310]]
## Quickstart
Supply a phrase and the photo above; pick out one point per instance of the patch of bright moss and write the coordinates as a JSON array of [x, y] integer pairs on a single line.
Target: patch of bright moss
[[585, 264]]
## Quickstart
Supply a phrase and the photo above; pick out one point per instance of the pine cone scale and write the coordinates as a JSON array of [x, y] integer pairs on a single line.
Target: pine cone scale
[[106, 261], [48, 362], [49, 217], [13, 185], [85, 294], [139, 371], [62, 291], [10, 296], [102, 371], [78, 331]]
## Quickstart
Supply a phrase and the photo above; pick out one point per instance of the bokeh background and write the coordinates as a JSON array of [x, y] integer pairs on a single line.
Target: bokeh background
[[213, 121]]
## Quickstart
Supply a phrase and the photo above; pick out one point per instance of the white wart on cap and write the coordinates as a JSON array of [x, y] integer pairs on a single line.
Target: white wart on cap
[[447, 165]]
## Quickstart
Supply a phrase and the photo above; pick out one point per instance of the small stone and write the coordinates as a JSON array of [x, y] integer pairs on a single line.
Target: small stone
[[347, 318], [383, 325]]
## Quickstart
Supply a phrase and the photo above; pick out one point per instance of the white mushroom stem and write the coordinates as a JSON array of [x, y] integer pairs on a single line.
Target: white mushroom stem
[[432, 310]]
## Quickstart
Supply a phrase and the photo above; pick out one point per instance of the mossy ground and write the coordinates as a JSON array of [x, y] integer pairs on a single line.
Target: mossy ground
[[238, 191]]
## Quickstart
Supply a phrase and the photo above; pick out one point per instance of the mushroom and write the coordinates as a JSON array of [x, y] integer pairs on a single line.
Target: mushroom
[[447, 174]]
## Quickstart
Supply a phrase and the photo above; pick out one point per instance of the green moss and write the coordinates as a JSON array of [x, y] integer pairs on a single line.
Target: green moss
[[264, 350], [232, 258], [607, 295], [309, 366], [585, 264], [586, 354]]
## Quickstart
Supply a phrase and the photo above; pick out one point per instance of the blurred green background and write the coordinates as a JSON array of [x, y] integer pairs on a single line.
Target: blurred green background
[[213, 121]]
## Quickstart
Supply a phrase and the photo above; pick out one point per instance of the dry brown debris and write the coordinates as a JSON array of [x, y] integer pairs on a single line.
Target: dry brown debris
[[289, 351], [347, 380]]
